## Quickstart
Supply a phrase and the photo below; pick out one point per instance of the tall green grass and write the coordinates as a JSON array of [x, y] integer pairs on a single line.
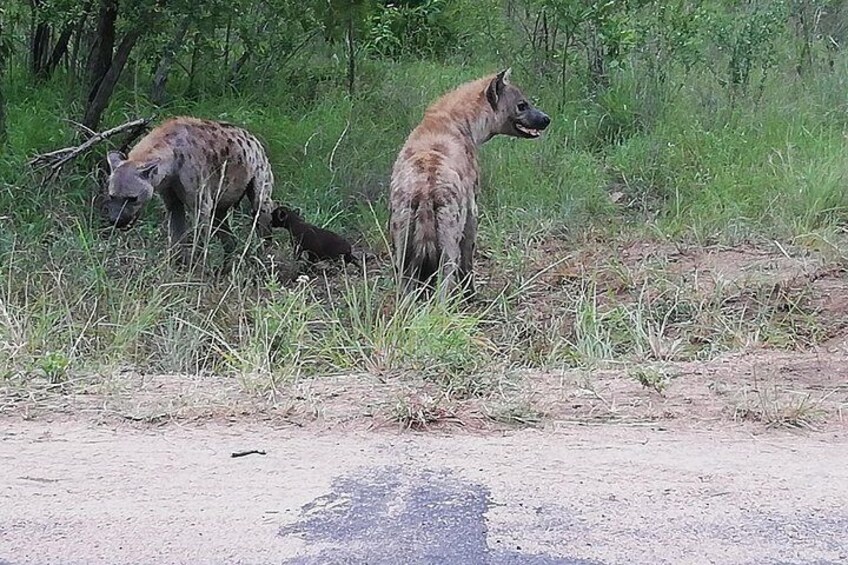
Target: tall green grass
[[681, 162]]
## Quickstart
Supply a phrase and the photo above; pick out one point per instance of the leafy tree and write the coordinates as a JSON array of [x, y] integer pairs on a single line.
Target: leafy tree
[[604, 31], [673, 33], [412, 29], [748, 35], [347, 19], [46, 47], [107, 61]]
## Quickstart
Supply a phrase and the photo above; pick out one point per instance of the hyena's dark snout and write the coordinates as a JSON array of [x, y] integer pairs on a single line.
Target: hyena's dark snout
[[119, 212], [538, 120], [531, 123]]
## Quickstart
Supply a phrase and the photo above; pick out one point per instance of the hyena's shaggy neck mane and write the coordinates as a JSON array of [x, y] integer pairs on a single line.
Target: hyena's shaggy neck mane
[[464, 110], [153, 151], [177, 138]]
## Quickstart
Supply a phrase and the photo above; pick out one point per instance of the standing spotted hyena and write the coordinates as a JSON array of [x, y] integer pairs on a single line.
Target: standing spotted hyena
[[200, 169], [435, 180]]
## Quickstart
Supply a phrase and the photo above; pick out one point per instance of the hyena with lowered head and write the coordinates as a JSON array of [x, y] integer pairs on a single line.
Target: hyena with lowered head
[[200, 169], [436, 179]]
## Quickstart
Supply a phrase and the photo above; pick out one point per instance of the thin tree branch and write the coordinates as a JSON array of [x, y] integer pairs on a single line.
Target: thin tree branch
[[59, 158]]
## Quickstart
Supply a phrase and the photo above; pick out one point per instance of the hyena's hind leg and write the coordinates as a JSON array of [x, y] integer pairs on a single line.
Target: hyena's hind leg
[[452, 223], [403, 251], [467, 247], [259, 193]]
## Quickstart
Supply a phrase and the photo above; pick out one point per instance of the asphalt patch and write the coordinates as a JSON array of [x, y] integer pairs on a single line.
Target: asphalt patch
[[389, 515]]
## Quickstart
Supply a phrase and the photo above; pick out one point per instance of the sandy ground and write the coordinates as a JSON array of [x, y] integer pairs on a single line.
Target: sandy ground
[[74, 493]]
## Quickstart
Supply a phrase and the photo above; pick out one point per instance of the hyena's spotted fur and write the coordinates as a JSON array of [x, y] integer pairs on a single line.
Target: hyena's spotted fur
[[201, 169], [435, 179]]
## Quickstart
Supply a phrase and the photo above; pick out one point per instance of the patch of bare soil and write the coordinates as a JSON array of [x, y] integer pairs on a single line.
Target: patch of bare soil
[[759, 389], [773, 389], [703, 299]]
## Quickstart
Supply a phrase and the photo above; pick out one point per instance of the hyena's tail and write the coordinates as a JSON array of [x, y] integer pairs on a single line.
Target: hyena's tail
[[421, 250]]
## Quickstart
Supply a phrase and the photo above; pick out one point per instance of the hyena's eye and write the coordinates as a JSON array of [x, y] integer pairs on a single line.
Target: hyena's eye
[[522, 106]]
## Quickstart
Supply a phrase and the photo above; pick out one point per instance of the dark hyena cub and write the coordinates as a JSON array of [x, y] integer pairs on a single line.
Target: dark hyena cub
[[314, 242], [200, 169]]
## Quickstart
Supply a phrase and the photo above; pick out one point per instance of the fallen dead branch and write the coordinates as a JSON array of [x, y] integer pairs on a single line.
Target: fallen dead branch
[[55, 160]]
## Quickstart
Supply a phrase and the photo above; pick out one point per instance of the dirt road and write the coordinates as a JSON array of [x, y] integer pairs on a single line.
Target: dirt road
[[73, 493]]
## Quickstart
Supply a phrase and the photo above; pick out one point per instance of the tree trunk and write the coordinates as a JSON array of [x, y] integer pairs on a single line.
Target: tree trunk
[[192, 65], [107, 85], [43, 59], [3, 135], [39, 38], [73, 62], [351, 61], [101, 54], [598, 78], [38, 48], [227, 42], [157, 91], [59, 50]]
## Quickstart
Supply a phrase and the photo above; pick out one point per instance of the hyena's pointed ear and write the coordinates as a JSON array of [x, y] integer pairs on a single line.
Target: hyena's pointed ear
[[115, 158], [496, 87]]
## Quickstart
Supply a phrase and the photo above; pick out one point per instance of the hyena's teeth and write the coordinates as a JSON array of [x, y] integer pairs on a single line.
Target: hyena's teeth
[[528, 131]]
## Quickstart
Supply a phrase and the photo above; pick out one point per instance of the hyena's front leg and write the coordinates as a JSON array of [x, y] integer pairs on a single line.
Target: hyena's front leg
[[177, 225]]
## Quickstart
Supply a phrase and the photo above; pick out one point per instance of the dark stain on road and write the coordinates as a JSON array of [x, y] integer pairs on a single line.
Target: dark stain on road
[[389, 515]]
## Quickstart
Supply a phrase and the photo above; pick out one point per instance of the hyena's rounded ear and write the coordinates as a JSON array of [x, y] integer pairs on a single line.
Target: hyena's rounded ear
[[115, 158], [146, 170], [496, 87]]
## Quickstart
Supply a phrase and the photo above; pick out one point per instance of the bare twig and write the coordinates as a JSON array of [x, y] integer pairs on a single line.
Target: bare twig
[[83, 128], [248, 452], [59, 158]]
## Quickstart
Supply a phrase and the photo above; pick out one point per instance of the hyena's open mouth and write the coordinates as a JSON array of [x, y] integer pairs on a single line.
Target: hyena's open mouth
[[531, 124], [529, 132]]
